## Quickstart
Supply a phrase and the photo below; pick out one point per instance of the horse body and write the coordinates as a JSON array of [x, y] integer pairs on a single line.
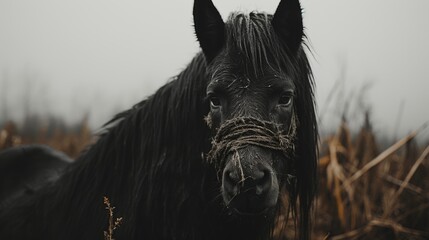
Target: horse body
[[158, 164], [25, 169]]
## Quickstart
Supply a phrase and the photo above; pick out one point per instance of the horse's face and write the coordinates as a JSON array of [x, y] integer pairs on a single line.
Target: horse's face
[[252, 170], [251, 94]]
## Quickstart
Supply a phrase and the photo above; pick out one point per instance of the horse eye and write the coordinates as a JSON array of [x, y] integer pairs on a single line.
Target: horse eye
[[214, 102], [285, 99]]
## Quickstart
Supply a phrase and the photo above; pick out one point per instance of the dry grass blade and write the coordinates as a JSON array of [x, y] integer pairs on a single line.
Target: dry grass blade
[[380, 223], [337, 174], [3, 137], [397, 228], [406, 181], [413, 212], [383, 156], [353, 234], [113, 223], [408, 186]]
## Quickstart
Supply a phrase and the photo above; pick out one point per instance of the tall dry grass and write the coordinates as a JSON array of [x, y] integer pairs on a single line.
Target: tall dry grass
[[369, 193], [365, 192]]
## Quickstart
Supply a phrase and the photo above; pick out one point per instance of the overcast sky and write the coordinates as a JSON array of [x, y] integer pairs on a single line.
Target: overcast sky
[[102, 56]]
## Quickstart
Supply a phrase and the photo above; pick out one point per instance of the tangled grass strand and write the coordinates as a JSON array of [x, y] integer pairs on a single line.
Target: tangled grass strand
[[238, 133]]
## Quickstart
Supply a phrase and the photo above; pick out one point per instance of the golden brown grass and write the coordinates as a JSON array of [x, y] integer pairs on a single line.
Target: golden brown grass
[[69, 141], [365, 194]]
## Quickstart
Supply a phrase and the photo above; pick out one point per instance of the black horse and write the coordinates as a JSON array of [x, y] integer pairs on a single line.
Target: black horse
[[25, 169], [208, 156]]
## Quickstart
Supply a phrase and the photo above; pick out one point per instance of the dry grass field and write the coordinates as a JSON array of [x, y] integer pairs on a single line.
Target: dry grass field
[[365, 191]]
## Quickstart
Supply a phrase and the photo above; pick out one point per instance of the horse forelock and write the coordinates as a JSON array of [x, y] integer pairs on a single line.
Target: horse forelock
[[253, 42]]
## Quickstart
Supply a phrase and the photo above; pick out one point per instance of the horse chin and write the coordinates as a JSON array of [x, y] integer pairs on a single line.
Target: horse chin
[[267, 212], [241, 206]]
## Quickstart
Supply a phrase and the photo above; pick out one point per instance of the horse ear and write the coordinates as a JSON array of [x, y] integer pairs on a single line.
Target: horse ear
[[287, 23], [209, 28]]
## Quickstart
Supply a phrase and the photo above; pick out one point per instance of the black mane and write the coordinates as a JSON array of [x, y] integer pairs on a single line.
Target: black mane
[[150, 162]]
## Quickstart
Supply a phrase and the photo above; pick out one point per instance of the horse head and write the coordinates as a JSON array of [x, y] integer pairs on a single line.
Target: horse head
[[261, 107]]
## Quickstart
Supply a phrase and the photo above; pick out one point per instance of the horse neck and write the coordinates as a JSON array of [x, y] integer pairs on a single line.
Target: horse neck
[[157, 145]]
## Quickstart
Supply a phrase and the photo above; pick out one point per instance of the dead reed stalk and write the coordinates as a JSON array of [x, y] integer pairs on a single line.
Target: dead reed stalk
[[113, 223]]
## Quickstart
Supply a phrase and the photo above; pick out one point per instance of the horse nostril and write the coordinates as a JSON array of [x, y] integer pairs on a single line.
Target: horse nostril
[[232, 177], [260, 181], [263, 182], [230, 181]]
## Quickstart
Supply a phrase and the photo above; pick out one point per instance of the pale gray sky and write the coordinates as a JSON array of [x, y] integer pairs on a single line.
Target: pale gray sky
[[103, 55]]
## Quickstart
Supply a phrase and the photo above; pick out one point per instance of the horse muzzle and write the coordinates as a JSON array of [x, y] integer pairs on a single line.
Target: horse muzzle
[[249, 184]]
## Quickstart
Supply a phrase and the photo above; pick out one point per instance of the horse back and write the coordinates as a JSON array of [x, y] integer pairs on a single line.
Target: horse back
[[25, 169]]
